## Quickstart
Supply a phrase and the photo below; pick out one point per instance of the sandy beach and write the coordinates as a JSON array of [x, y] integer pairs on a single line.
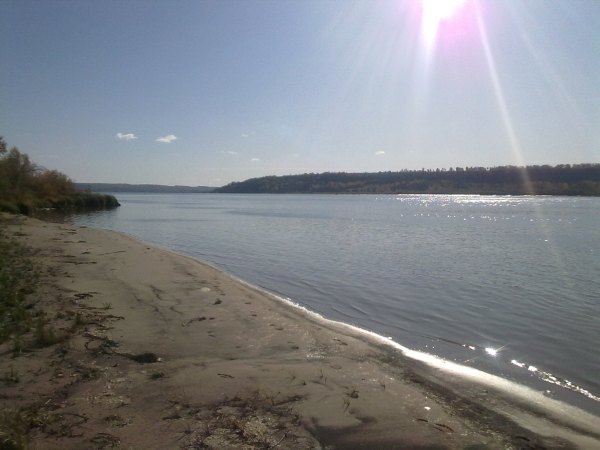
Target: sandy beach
[[163, 351]]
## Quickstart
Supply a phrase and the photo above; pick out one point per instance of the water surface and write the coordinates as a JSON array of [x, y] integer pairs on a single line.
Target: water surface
[[510, 285]]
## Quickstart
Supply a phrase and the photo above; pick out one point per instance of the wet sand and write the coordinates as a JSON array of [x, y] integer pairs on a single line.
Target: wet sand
[[163, 351]]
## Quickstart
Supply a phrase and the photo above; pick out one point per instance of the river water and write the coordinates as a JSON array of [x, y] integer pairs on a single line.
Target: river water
[[510, 285]]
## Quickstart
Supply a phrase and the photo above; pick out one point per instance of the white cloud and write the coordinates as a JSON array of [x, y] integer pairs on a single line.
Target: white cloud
[[379, 153], [255, 159], [245, 135], [296, 155], [167, 139], [125, 136], [231, 152]]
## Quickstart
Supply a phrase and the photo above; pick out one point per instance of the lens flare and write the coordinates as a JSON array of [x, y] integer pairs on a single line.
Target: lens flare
[[433, 13]]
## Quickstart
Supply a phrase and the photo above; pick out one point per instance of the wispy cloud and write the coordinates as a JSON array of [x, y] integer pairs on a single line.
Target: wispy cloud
[[379, 153], [255, 159], [231, 152], [125, 136], [167, 139], [245, 135]]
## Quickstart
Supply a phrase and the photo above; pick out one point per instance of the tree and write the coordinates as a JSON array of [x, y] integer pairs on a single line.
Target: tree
[[25, 187], [2, 145]]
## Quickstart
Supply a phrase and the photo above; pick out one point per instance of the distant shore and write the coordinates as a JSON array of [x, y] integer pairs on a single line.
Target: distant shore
[[164, 351], [563, 179]]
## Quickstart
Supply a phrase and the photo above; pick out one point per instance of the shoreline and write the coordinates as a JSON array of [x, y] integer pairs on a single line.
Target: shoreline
[[241, 365], [519, 373]]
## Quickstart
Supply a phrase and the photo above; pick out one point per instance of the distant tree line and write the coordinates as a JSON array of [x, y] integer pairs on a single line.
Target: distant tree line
[[563, 179], [26, 187], [143, 188]]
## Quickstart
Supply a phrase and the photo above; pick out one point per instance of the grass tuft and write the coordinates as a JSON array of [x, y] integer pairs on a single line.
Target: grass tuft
[[45, 335], [18, 280], [11, 377], [14, 426]]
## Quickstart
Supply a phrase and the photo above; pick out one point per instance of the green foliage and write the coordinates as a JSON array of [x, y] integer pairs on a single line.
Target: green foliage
[[565, 179], [24, 187]]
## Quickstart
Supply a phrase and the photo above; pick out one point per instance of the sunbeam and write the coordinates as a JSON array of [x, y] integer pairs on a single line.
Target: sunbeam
[[500, 99], [514, 142]]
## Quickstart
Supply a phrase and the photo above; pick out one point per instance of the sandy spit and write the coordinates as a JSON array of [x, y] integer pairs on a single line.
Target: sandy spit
[[166, 352]]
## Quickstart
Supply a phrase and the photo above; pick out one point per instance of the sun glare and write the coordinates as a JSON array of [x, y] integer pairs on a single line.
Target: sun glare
[[433, 13]]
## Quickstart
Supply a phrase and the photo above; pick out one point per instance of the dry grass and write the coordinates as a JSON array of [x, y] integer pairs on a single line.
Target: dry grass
[[261, 421]]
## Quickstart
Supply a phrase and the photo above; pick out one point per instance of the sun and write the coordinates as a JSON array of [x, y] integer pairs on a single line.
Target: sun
[[435, 12]]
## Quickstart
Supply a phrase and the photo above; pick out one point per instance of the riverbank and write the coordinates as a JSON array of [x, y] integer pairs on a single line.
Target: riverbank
[[162, 351]]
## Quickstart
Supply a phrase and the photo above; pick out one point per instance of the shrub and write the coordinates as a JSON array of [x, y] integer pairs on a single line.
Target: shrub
[[24, 187]]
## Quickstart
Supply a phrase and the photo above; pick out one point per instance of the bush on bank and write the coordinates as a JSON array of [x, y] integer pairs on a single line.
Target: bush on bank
[[26, 187]]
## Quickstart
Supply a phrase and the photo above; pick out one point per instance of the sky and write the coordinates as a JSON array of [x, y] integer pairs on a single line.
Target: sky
[[209, 92]]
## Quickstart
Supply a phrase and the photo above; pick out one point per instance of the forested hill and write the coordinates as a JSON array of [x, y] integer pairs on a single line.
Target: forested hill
[[145, 188], [564, 179]]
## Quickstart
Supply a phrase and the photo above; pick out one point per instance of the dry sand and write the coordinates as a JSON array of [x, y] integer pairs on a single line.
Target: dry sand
[[237, 368]]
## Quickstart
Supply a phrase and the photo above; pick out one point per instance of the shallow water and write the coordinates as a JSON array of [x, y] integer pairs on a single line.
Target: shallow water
[[510, 285]]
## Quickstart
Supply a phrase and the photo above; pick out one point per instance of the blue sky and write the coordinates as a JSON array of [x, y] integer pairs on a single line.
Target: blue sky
[[204, 93]]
